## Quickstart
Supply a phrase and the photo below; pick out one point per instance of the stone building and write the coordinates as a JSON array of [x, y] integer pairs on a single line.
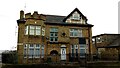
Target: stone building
[[107, 45], [54, 38]]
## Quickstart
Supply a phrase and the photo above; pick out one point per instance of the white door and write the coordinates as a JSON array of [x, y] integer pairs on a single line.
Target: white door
[[63, 53]]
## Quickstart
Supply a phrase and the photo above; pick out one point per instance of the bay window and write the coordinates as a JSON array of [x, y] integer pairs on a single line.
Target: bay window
[[37, 50], [26, 30], [37, 30], [32, 30], [43, 31], [33, 51]]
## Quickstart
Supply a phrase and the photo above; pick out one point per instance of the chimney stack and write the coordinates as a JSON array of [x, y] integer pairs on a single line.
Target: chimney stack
[[21, 14]]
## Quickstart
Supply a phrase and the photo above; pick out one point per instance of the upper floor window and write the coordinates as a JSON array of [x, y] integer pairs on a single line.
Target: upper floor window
[[76, 16], [32, 30], [74, 32], [53, 34], [93, 40], [43, 31], [99, 40], [26, 30], [35, 30]]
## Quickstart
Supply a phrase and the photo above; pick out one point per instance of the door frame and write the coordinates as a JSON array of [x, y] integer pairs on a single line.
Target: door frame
[[63, 56]]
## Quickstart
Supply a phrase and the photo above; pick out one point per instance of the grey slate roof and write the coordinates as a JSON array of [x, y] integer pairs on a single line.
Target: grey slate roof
[[115, 43], [58, 20], [54, 18]]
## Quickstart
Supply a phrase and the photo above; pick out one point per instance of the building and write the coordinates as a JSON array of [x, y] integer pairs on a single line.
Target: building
[[107, 46], [54, 38]]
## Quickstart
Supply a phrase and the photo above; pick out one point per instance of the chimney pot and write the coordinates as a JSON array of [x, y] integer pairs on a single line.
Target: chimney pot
[[21, 14]]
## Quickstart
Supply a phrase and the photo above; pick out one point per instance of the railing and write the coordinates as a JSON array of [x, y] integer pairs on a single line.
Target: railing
[[57, 58]]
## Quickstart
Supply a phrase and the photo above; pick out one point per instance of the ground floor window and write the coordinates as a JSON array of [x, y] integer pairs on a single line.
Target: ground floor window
[[74, 50], [82, 50], [78, 50], [33, 51]]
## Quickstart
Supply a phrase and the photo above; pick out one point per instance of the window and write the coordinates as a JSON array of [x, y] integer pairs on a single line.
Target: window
[[99, 40], [37, 51], [74, 32], [82, 40], [25, 51], [78, 49], [76, 16], [43, 31], [72, 50], [82, 50], [37, 30], [93, 40], [26, 30], [32, 30], [42, 51], [33, 51], [53, 34]]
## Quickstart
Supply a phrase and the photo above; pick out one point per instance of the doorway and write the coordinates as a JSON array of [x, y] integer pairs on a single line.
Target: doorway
[[63, 52]]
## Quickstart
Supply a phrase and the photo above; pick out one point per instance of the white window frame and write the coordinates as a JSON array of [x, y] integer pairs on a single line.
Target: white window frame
[[37, 30], [99, 40], [32, 30], [25, 52], [43, 31], [76, 16], [37, 55], [30, 51], [42, 51], [54, 32], [73, 31], [82, 46], [26, 30]]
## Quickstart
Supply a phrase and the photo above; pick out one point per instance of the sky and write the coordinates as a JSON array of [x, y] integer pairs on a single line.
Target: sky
[[103, 14]]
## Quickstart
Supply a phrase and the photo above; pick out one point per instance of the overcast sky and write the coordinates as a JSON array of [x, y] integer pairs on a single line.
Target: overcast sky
[[103, 14]]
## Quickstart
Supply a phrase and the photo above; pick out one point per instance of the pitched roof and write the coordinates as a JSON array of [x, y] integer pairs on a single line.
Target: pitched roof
[[54, 18], [76, 9], [104, 34], [58, 20], [115, 43]]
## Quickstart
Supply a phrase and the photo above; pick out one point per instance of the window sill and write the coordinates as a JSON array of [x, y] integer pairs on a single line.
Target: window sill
[[75, 37], [53, 42], [32, 36]]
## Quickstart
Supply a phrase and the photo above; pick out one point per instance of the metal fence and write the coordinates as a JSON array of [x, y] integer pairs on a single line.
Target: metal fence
[[69, 58]]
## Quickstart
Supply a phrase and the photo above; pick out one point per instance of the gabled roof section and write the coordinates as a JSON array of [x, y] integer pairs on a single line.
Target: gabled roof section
[[76, 9]]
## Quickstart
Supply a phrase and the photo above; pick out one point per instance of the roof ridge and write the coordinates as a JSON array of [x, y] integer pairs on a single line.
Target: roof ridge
[[54, 15]]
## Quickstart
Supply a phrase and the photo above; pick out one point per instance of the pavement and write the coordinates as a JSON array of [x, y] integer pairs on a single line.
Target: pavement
[[0, 65]]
